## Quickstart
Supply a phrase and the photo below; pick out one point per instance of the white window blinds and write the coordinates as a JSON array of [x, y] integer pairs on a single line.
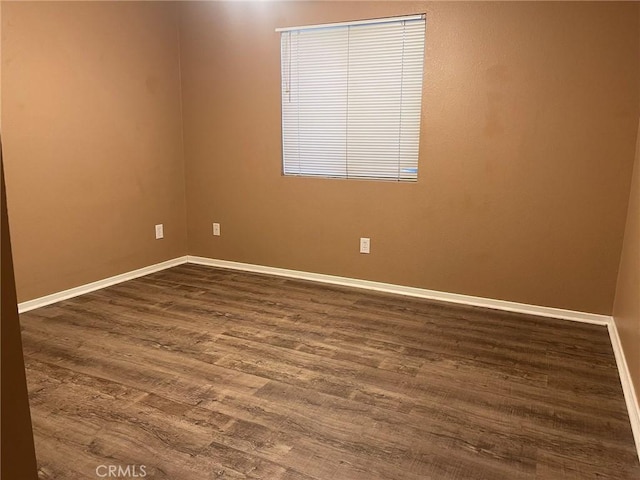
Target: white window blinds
[[351, 99]]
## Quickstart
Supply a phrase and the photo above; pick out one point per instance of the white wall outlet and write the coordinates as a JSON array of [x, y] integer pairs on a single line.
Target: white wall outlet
[[159, 231], [216, 229], [365, 245]]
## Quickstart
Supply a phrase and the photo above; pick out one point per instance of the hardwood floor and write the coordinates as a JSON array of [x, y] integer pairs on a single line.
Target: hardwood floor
[[203, 373]]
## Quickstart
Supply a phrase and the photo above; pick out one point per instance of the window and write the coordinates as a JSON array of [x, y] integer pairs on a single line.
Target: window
[[351, 98]]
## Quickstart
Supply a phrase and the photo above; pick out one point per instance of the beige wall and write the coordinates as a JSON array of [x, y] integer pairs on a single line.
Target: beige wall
[[626, 311], [93, 139], [528, 134]]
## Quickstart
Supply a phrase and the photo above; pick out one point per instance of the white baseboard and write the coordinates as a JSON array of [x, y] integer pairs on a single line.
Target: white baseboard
[[90, 287], [410, 291], [323, 278], [633, 407]]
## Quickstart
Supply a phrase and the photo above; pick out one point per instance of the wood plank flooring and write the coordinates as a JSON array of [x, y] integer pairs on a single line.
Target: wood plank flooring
[[200, 373]]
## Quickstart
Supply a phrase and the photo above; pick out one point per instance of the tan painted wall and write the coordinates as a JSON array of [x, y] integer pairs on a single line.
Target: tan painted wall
[[93, 139], [529, 128], [528, 135], [626, 311]]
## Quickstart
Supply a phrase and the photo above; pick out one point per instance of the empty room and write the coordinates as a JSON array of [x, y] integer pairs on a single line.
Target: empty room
[[320, 240]]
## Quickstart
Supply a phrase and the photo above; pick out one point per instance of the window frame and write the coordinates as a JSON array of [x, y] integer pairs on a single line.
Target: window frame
[[370, 168]]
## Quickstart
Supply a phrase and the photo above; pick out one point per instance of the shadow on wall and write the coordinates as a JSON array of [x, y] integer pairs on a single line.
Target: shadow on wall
[[16, 445]]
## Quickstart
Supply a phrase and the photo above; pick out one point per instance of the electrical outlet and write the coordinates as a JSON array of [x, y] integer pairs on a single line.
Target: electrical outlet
[[365, 245], [159, 231], [216, 229]]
